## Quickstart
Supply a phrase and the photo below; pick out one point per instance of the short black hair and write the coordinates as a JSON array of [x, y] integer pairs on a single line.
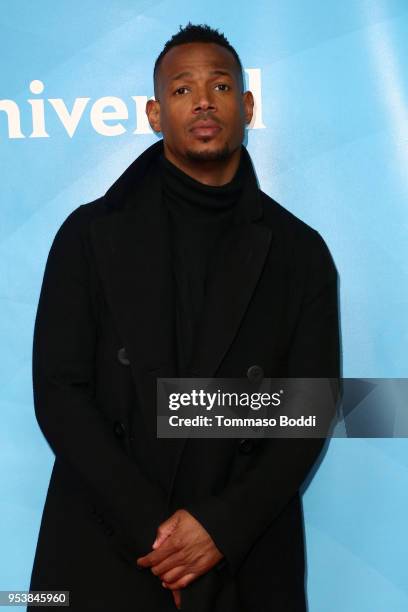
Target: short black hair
[[197, 33]]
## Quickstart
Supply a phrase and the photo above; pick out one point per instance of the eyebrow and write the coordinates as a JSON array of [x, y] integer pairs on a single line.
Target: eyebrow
[[186, 73]]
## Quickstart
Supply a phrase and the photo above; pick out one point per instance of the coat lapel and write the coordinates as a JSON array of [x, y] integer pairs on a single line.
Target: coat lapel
[[132, 251], [237, 266]]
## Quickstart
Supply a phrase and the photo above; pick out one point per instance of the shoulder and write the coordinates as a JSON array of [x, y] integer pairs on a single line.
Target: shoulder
[[70, 243], [286, 226], [77, 223], [84, 214], [300, 242], [281, 220]]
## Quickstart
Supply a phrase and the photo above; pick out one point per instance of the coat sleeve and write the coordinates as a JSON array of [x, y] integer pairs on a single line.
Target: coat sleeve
[[64, 347], [239, 515]]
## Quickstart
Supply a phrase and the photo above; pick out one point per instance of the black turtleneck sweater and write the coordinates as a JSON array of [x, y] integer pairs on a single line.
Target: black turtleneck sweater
[[198, 215]]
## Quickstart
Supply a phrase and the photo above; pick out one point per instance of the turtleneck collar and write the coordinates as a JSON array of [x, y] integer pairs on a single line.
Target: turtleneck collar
[[187, 196]]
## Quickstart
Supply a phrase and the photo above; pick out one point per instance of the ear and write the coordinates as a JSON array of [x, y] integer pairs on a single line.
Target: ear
[[248, 102], [153, 114]]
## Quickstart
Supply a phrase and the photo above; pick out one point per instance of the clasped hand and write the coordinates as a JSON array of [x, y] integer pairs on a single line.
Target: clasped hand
[[182, 551]]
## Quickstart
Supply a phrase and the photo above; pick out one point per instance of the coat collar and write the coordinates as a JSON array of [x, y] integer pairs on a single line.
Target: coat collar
[[116, 195], [132, 252]]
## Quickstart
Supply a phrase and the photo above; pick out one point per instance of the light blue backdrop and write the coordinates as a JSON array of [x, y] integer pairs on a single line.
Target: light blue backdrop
[[332, 81]]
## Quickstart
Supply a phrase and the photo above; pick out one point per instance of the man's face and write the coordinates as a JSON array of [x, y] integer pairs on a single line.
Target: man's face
[[200, 108]]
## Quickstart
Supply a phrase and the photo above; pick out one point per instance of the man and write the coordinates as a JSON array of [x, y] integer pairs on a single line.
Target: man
[[184, 268]]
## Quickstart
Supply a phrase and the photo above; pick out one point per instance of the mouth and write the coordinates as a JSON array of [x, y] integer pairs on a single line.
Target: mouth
[[205, 129]]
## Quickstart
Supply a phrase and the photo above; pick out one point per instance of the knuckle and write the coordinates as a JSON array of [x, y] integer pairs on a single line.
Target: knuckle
[[177, 542]]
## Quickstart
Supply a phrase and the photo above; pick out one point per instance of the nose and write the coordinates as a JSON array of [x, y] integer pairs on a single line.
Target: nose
[[204, 100]]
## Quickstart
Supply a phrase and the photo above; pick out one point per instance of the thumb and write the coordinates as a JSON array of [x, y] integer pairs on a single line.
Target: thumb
[[164, 530]]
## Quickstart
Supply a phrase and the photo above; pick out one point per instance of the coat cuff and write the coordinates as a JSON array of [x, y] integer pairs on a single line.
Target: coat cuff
[[128, 545], [216, 518]]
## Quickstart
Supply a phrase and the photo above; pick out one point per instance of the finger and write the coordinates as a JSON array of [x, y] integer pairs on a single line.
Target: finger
[[159, 540], [165, 529], [177, 598], [155, 557], [174, 574], [168, 564], [181, 583]]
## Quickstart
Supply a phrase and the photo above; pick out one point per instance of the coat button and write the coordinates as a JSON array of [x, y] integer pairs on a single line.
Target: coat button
[[255, 373], [119, 429], [245, 446], [122, 356]]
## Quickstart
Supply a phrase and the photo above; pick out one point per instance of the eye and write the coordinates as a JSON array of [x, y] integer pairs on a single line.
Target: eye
[[225, 86], [178, 90]]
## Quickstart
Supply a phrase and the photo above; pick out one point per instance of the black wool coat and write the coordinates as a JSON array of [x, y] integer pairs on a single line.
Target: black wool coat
[[104, 332]]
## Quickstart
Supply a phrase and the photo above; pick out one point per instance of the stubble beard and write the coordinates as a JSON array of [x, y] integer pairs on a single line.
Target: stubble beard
[[220, 154]]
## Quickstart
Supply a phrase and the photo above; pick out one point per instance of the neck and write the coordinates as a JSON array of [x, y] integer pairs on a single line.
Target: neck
[[209, 172]]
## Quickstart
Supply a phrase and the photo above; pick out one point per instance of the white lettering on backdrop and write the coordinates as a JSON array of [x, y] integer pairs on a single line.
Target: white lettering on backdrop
[[107, 108]]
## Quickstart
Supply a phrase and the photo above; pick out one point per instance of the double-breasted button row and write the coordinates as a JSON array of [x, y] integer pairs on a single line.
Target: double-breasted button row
[[123, 357], [254, 373]]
